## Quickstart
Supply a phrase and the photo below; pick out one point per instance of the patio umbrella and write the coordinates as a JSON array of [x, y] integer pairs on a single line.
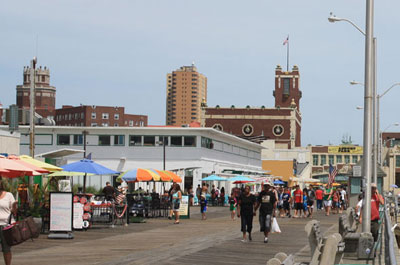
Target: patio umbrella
[[39, 163], [394, 186], [240, 179], [29, 165], [68, 174], [15, 169], [138, 175], [279, 182], [214, 178], [164, 177], [88, 166], [175, 177]]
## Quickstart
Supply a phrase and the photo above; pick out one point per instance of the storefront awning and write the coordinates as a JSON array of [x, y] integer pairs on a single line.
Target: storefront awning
[[60, 153]]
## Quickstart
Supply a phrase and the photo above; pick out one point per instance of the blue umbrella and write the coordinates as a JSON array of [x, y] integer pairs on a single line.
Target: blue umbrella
[[88, 166], [279, 182], [214, 178], [240, 178], [394, 186]]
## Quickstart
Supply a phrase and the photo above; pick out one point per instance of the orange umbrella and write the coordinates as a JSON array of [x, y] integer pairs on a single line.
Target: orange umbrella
[[26, 164], [15, 169], [163, 175], [175, 177]]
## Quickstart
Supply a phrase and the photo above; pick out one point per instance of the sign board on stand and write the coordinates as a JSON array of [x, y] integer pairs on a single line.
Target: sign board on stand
[[78, 215], [184, 211], [61, 215], [356, 171]]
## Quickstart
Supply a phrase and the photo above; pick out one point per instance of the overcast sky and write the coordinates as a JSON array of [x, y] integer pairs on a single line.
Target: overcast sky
[[118, 53]]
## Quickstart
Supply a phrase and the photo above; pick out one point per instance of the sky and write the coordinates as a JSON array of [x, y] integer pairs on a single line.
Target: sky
[[117, 53]]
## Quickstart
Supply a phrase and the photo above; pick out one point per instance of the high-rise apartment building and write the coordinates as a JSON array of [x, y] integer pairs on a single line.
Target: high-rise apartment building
[[186, 92]]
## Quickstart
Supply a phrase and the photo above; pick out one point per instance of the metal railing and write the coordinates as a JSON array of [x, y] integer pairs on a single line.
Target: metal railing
[[390, 240]]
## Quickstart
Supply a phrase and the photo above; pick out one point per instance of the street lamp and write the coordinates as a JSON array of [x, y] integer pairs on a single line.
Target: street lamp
[[369, 81]]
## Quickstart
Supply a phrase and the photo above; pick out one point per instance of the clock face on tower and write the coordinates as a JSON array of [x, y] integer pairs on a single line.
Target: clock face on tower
[[247, 129], [278, 130]]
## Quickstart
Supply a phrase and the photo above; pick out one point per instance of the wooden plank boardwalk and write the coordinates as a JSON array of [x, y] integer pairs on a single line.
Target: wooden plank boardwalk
[[214, 241]]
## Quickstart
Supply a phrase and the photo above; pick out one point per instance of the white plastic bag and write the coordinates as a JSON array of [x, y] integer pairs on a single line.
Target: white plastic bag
[[275, 227]]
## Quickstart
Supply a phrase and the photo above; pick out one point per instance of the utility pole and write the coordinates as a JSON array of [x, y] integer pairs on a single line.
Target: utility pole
[[367, 141], [32, 91]]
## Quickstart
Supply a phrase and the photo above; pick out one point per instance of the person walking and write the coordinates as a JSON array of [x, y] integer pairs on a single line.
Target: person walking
[[198, 192], [286, 198], [319, 196], [298, 202], [305, 202], [335, 201], [232, 205], [222, 197], [328, 200], [170, 200], [176, 202], [376, 200], [246, 212], [266, 201], [203, 202], [310, 202], [109, 191], [8, 207]]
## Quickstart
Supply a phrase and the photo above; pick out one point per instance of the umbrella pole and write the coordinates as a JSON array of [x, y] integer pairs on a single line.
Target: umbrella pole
[[84, 183]]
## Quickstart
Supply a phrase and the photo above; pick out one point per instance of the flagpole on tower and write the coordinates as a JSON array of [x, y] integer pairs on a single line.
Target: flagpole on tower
[[286, 42]]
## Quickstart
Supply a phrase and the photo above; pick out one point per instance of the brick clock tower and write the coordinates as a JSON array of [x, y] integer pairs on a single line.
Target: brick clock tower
[[287, 89], [281, 123], [45, 98]]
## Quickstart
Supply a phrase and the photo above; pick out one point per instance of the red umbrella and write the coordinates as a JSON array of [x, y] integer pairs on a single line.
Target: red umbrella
[[15, 169]]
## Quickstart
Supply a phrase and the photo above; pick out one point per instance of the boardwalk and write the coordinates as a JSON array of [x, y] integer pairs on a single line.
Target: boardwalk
[[214, 241]]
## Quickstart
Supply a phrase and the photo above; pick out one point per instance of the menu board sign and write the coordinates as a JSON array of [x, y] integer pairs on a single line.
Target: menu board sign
[[78, 215], [61, 211], [184, 207]]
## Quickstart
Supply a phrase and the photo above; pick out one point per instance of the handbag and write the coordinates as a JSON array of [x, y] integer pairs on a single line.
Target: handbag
[[20, 231], [275, 227]]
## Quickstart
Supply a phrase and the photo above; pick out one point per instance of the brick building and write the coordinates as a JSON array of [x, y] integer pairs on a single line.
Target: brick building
[[45, 98], [281, 123], [186, 92], [98, 116]]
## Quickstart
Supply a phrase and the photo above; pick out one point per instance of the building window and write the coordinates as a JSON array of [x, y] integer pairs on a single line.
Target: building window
[[347, 159], [397, 161], [104, 124], [135, 140], [286, 86], [331, 160], [315, 160], [78, 139], [116, 116], [161, 140], [354, 159], [93, 115], [149, 140], [93, 124], [130, 123], [176, 140], [207, 143], [82, 115], [119, 139], [189, 141], [323, 160], [104, 140], [63, 139], [339, 159], [104, 116]]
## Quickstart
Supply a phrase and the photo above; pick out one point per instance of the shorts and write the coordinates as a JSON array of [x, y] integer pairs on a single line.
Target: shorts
[[265, 222], [286, 206], [327, 203], [298, 206], [5, 248], [203, 207], [310, 203], [232, 207]]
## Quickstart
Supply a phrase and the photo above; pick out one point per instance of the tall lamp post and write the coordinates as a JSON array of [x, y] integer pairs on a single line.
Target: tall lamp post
[[377, 133], [32, 112], [368, 100]]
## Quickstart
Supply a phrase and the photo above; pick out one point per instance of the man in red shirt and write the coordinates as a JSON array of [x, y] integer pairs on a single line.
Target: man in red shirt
[[298, 202], [376, 200], [319, 196]]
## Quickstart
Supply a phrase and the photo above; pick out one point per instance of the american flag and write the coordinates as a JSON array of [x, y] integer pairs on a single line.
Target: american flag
[[332, 174], [286, 41]]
